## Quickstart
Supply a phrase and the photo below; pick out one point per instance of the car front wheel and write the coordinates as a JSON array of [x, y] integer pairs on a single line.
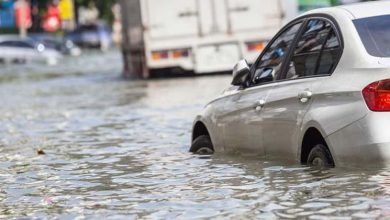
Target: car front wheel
[[320, 156], [202, 145]]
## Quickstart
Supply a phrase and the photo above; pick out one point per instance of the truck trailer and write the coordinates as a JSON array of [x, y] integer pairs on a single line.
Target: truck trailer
[[199, 36]]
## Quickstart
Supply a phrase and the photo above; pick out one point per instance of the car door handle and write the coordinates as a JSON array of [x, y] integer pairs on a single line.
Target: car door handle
[[305, 96], [259, 105]]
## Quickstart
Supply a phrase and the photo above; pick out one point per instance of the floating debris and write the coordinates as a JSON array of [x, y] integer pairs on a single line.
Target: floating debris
[[47, 201], [40, 152]]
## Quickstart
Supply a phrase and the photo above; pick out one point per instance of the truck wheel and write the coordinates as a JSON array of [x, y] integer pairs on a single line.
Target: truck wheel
[[202, 145], [320, 157]]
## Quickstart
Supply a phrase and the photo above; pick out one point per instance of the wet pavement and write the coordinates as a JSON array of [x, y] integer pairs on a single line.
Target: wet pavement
[[117, 149]]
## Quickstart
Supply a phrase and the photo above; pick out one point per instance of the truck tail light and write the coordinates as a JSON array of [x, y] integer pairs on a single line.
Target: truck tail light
[[174, 54], [377, 96], [182, 53], [160, 55], [255, 46]]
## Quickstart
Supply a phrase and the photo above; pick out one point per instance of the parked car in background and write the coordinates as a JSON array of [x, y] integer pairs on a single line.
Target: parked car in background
[[91, 36], [319, 93], [22, 50], [66, 47]]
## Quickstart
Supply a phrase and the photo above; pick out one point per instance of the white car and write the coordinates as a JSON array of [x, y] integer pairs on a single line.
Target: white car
[[318, 94], [15, 49]]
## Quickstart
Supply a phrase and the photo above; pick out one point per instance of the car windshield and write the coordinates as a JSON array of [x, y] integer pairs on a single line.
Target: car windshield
[[375, 34], [88, 28]]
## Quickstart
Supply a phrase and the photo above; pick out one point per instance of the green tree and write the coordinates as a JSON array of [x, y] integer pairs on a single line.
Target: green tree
[[104, 7]]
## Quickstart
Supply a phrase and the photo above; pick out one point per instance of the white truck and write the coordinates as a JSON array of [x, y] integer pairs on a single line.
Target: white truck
[[206, 36]]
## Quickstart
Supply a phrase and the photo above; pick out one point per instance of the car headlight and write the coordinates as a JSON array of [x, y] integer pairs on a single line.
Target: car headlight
[[40, 47]]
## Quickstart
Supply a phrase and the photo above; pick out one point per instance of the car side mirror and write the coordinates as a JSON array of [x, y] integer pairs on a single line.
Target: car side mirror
[[240, 72]]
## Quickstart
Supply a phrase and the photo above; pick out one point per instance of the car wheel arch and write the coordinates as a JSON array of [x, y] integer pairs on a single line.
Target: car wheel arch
[[199, 129], [311, 137]]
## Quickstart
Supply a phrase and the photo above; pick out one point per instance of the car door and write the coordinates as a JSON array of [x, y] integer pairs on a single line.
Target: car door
[[28, 50], [314, 57], [16, 52], [242, 124]]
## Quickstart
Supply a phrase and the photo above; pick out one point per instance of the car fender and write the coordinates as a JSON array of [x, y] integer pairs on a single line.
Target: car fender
[[330, 116], [208, 118], [310, 123]]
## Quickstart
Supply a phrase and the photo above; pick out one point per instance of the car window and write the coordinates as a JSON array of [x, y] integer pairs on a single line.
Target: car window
[[375, 34], [22, 44], [49, 43], [268, 68], [316, 52], [330, 55], [13, 43], [6, 44], [88, 28]]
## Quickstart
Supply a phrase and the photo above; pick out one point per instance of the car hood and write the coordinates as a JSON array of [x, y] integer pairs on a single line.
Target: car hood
[[51, 53]]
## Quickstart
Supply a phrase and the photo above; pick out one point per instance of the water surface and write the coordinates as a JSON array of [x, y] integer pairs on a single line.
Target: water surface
[[117, 149]]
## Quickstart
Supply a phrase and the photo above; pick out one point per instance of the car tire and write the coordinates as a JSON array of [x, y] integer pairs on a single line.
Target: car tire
[[320, 156], [202, 145]]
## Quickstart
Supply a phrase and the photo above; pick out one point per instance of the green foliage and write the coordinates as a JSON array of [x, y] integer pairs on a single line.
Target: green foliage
[[104, 7]]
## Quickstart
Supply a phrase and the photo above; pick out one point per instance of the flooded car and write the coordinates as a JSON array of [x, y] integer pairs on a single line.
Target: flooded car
[[15, 49], [79, 142], [91, 36], [66, 47], [319, 93]]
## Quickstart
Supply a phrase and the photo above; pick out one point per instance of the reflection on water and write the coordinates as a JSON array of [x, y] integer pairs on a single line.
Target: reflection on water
[[118, 150]]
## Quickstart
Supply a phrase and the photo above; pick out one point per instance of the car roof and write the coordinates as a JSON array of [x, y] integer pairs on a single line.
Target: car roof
[[368, 9], [357, 10]]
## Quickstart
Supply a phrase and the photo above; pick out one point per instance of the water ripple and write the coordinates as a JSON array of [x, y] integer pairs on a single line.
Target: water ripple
[[118, 150]]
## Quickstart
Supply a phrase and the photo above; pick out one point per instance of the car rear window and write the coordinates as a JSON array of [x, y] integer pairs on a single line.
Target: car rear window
[[375, 34]]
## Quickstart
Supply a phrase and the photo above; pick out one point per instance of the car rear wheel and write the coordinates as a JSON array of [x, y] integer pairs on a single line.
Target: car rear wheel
[[320, 156], [202, 145]]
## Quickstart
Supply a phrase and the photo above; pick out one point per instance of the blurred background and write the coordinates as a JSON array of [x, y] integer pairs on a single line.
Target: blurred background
[[177, 37]]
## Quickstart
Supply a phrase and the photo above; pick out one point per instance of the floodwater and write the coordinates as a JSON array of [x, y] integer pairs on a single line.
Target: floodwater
[[117, 149]]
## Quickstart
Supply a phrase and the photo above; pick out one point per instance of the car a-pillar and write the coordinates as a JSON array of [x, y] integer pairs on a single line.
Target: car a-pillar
[[315, 151]]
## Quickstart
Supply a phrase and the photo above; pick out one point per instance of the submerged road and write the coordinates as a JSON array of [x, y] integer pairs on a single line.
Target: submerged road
[[78, 142]]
